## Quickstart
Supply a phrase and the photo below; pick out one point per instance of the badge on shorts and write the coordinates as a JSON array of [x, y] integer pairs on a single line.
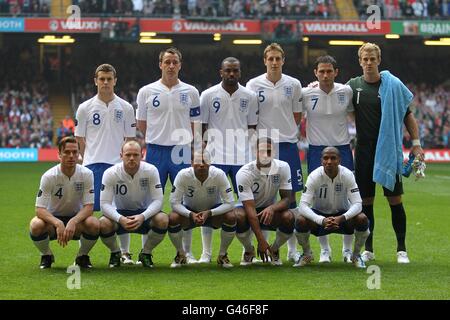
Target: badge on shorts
[[243, 106]]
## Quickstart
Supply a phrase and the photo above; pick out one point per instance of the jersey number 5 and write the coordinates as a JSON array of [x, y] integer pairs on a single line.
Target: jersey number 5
[[261, 96]]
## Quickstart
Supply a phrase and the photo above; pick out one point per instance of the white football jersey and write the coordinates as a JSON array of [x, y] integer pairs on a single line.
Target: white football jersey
[[168, 112], [277, 103], [104, 127], [326, 115], [263, 185], [131, 193], [228, 118], [190, 192], [331, 196], [63, 196]]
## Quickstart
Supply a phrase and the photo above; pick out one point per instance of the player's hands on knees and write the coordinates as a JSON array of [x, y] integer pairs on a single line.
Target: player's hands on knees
[[135, 222], [266, 215], [69, 231], [127, 223], [197, 218], [264, 251], [330, 223], [339, 220], [205, 215], [60, 233]]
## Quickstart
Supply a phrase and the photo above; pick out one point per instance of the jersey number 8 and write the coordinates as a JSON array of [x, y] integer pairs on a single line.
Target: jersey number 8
[[96, 119]]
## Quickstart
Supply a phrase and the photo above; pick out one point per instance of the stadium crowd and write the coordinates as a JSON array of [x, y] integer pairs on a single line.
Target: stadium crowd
[[25, 116], [185, 8], [432, 106], [406, 9], [391, 9], [25, 7], [212, 8]]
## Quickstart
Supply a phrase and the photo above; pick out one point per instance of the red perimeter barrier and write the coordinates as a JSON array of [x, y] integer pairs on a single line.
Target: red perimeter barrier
[[47, 155]]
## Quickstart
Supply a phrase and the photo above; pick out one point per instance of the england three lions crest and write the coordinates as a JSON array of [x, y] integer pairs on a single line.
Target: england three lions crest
[[79, 186], [243, 106], [143, 183], [288, 92], [341, 98], [211, 191], [118, 115], [184, 98], [276, 179]]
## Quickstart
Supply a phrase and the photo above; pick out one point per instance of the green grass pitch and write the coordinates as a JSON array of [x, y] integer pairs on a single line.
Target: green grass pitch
[[427, 203]]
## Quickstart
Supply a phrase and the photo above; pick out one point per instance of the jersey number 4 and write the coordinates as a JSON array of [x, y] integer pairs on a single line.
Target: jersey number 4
[[59, 193]]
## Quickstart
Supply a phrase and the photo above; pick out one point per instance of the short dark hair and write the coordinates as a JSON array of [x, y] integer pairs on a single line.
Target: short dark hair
[[171, 50], [66, 140], [263, 140], [325, 59], [230, 60], [331, 149], [105, 68]]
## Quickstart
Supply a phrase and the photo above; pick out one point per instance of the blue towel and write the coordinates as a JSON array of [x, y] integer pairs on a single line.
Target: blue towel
[[395, 99]]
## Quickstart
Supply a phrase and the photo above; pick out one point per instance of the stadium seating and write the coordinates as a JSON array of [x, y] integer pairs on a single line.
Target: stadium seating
[[25, 116], [406, 9]]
